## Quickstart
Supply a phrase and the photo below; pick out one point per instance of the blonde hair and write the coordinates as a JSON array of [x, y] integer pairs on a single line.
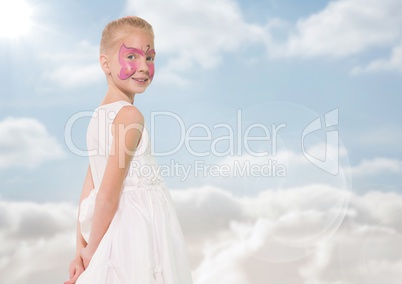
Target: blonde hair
[[119, 29]]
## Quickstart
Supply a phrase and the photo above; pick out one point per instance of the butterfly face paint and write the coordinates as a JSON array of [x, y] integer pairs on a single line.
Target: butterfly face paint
[[130, 65]]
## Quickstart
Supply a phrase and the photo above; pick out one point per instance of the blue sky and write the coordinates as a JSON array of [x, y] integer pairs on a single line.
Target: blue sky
[[59, 78], [277, 61]]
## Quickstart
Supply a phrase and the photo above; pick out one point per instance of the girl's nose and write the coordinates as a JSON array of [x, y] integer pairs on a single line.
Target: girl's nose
[[142, 65]]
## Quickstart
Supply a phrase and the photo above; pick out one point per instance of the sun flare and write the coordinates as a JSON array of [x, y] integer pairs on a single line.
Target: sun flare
[[15, 18]]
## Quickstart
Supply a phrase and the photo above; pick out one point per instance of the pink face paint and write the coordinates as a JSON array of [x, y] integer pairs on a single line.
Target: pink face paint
[[151, 65], [129, 66]]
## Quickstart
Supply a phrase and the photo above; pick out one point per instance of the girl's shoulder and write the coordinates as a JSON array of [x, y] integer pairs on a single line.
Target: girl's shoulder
[[129, 114]]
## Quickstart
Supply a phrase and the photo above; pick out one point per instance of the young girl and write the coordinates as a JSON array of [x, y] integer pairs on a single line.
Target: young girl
[[128, 231]]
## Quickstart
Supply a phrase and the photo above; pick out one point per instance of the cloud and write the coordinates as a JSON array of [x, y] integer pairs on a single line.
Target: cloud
[[248, 174], [26, 143], [344, 28], [309, 234], [75, 75], [36, 241], [379, 173], [213, 29], [377, 166], [291, 240], [76, 67], [195, 34], [393, 63]]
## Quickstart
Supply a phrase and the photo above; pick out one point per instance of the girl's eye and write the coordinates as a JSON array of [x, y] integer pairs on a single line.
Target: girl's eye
[[150, 58], [131, 56]]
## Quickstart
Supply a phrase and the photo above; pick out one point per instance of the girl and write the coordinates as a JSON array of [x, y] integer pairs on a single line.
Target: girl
[[128, 231]]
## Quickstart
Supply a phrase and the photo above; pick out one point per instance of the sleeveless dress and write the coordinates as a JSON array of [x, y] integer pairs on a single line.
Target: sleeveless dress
[[144, 243]]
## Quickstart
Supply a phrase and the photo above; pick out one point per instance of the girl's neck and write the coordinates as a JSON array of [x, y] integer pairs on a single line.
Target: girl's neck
[[113, 94]]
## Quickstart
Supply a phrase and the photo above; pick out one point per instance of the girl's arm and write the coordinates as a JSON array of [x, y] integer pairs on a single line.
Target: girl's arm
[[86, 189], [126, 129], [77, 266]]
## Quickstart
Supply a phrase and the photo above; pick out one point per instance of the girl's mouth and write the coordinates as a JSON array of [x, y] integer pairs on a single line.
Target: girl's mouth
[[140, 80]]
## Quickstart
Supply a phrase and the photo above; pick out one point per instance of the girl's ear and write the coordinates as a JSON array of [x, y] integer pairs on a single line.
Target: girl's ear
[[104, 62]]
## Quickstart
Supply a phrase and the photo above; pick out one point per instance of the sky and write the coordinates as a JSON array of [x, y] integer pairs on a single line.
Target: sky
[[276, 124]]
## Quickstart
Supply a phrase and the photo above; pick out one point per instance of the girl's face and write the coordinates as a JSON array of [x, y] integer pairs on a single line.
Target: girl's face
[[132, 64]]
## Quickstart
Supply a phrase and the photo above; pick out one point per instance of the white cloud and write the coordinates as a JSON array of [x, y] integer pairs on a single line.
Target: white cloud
[[286, 168], [377, 166], [195, 34], [75, 75], [166, 77], [279, 236], [26, 143], [196, 200], [211, 29], [393, 63], [36, 242], [292, 239], [344, 28], [78, 66]]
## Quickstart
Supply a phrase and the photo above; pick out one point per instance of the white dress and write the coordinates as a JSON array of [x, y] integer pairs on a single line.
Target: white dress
[[144, 243]]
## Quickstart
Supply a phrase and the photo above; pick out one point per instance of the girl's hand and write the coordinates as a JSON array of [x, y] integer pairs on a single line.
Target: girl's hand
[[75, 270], [86, 256]]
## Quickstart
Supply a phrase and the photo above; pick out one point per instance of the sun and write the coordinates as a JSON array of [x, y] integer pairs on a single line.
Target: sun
[[15, 18]]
